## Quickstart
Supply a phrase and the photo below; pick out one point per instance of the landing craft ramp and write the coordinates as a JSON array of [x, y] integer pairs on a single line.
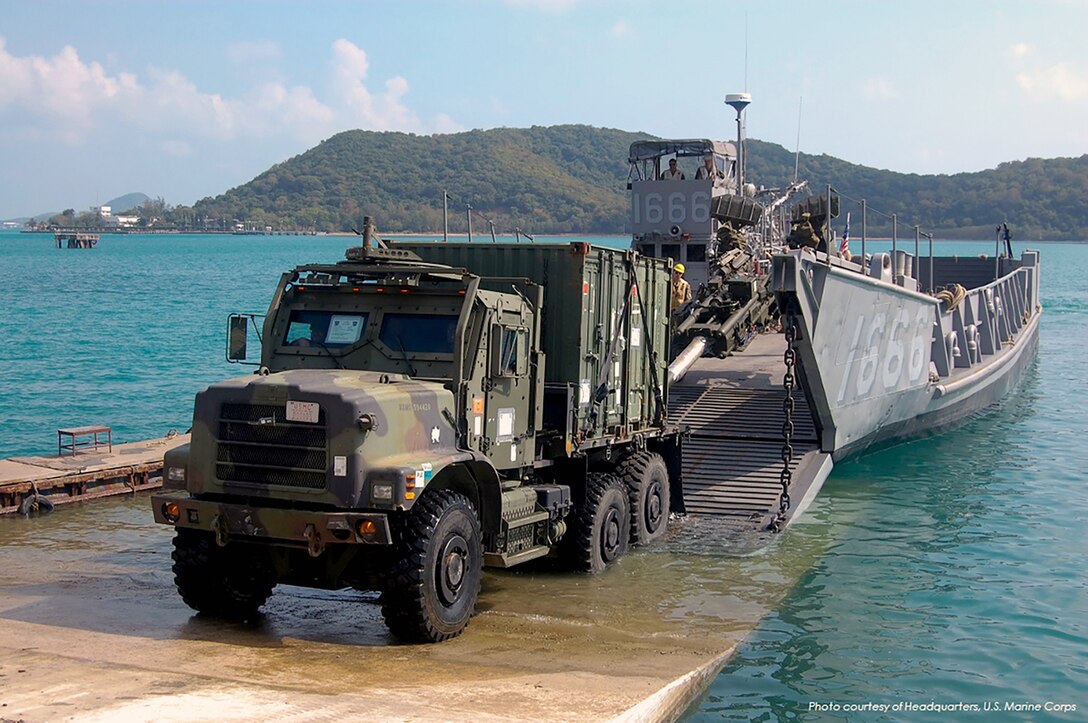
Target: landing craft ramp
[[732, 464]]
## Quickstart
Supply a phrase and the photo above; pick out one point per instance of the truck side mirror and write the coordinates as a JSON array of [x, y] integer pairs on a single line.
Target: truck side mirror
[[236, 338]]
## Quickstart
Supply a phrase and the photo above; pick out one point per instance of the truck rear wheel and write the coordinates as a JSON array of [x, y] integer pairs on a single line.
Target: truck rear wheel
[[434, 580], [600, 528], [647, 479], [230, 582]]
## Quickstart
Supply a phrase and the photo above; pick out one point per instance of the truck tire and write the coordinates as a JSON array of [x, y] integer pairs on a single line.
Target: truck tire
[[601, 527], [647, 479], [230, 582], [433, 582]]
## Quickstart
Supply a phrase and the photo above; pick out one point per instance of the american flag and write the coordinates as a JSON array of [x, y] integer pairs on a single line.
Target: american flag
[[844, 245]]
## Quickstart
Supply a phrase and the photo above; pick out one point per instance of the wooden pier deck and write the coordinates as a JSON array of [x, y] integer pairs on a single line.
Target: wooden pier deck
[[124, 469], [76, 239]]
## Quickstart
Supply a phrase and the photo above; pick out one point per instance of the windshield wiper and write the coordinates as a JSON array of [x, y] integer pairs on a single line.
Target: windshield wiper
[[404, 354], [328, 351]]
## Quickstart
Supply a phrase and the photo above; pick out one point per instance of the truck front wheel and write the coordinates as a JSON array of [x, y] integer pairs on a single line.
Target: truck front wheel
[[600, 528], [228, 582], [434, 580], [647, 478]]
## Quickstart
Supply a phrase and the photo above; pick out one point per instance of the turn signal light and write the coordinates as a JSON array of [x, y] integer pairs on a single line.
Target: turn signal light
[[409, 495], [366, 528], [171, 511]]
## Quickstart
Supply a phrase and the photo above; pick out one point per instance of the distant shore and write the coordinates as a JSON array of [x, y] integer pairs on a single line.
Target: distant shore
[[460, 234]]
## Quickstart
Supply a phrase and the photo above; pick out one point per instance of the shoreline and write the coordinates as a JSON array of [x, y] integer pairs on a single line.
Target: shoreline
[[437, 235]]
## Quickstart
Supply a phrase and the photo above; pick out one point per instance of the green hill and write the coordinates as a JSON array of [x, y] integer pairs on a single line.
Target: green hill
[[572, 179]]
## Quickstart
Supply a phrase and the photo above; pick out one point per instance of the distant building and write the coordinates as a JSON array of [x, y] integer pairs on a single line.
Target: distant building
[[103, 211], [126, 221]]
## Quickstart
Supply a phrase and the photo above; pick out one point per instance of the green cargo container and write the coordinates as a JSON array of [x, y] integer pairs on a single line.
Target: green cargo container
[[605, 330]]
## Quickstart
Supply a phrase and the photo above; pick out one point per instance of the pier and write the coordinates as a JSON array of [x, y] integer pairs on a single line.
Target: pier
[[86, 467], [75, 239]]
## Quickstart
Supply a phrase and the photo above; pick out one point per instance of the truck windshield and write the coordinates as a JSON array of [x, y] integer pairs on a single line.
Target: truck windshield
[[332, 329], [419, 333]]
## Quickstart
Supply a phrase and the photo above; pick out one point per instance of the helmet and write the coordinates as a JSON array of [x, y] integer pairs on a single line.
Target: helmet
[[679, 267]]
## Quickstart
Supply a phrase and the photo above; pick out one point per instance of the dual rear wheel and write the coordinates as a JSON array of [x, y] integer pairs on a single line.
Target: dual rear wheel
[[627, 507], [646, 477]]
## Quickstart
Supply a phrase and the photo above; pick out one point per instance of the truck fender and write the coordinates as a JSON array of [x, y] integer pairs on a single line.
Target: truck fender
[[476, 479]]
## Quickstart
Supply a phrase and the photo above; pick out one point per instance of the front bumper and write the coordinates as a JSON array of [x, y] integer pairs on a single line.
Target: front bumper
[[274, 525]]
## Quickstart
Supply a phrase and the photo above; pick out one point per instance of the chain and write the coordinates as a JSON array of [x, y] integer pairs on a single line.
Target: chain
[[785, 477]]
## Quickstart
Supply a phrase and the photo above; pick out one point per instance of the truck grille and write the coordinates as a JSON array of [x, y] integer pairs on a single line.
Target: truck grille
[[254, 450]]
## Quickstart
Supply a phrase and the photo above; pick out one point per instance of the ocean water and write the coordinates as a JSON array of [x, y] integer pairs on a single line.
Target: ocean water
[[954, 569]]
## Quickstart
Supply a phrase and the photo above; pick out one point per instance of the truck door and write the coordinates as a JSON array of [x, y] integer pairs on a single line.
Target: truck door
[[510, 427]]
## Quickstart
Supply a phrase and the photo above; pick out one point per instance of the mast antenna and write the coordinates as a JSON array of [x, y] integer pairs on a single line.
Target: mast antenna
[[797, 152], [738, 102], [746, 51]]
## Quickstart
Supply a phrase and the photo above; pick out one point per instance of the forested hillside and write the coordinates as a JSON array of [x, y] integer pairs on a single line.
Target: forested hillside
[[564, 179]]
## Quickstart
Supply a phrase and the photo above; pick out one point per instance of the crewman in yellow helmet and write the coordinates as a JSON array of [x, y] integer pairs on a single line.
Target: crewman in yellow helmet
[[681, 289]]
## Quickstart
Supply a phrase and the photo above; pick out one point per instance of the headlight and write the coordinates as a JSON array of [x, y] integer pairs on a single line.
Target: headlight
[[175, 474], [382, 492]]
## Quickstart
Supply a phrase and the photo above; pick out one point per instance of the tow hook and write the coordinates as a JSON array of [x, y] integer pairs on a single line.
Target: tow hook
[[219, 525], [314, 544]]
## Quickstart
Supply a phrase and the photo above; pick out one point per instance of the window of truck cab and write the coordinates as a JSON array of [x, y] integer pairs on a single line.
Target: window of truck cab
[[417, 333], [323, 328]]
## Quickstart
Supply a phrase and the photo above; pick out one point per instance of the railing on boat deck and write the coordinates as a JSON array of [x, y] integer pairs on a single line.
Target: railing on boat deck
[[1001, 293], [987, 317]]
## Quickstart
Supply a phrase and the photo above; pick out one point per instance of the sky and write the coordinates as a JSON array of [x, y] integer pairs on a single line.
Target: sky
[[183, 100]]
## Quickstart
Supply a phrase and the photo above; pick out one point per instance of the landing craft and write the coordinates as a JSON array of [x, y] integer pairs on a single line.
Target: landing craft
[[872, 351]]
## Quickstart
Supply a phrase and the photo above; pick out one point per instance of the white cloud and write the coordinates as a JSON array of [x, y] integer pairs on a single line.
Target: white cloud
[[879, 89], [1061, 81], [385, 111], [62, 88], [296, 108], [66, 98]]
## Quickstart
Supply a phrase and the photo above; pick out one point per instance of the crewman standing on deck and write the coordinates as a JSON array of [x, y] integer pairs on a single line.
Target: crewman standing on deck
[[681, 289], [708, 171], [674, 173]]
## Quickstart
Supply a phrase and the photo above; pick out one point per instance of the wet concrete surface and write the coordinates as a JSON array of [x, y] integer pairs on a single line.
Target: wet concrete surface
[[91, 628]]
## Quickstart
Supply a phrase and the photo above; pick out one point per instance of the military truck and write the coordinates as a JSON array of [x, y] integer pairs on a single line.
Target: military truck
[[419, 413]]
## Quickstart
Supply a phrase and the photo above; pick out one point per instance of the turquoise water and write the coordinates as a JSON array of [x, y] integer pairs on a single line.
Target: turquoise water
[[955, 566]]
